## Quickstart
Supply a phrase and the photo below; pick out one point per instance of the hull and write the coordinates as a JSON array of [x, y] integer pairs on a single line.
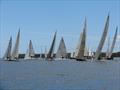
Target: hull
[[50, 59], [62, 59], [110, 58], [80, 59], [12, 60]]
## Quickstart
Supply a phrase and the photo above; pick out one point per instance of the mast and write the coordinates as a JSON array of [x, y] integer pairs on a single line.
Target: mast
[[51, 51], [7, 54], [82, 44], [61, 52], [15, 52], [102, 41], [113, 43]]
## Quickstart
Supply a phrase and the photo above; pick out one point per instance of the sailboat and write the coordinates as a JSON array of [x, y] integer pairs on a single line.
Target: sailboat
[[30, 51], [51, 51], [102, 41], [62, 51], [113, 45], [79, 55], [15, 53], [7, 55]]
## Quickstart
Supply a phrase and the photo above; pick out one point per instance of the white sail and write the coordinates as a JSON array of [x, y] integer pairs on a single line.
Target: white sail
[[108, 48], [7, 54], [86, 52], [45, 52], [15, 52], [78, 45], [51, 51], [30, 51], [103, 38], [90, 53], [62, 51], [27, 54], [113, 44], [81, 47]]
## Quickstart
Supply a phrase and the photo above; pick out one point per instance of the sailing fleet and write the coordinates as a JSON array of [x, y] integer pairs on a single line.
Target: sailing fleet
[[81, 53]]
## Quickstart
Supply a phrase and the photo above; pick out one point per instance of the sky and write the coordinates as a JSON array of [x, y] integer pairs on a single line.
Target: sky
[[38, 20]]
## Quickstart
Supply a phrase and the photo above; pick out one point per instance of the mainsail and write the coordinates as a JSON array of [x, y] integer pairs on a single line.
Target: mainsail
[[98, 52], [51, 51], [113, 44], [78, 46], [86, 52], [30, 51], [8, 51], [45, 52], [82, 43], [108, 48], [15, 52], [62, 51]]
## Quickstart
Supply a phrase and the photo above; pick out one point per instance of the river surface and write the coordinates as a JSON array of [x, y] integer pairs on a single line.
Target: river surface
[[60, 75]]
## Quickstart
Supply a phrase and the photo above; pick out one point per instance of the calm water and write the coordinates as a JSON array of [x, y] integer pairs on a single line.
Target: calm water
[[59, 75]]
